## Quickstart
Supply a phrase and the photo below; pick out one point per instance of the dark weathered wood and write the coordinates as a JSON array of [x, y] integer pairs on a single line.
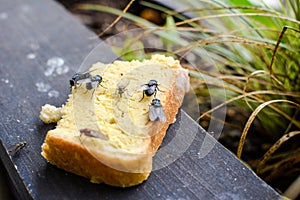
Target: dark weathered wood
[[28, 24]]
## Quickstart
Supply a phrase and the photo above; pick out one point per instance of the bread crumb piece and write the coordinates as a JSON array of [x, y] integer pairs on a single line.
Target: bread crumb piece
[[50, 114]]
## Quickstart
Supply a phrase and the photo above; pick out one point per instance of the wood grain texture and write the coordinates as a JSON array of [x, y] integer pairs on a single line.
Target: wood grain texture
[[45, 29]]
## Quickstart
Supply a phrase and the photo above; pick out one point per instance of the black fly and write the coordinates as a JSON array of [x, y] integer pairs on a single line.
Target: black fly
[[149, 89], [16, 148], [91, 133], [156, 111]]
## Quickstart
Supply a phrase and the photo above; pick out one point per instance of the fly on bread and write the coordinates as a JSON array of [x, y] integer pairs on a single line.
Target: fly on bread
[[105, 133]]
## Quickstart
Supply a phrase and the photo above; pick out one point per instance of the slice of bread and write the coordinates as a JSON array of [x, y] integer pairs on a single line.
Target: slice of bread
[[117, 111]]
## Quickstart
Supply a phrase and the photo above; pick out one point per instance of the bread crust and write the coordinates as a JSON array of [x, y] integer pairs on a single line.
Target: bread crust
[[74, 157]]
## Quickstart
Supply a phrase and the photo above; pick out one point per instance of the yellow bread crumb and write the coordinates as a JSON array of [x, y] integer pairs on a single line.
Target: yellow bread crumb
[[50, 114]]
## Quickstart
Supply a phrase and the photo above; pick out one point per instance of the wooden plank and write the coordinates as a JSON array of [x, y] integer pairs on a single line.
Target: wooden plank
[[34, 31]]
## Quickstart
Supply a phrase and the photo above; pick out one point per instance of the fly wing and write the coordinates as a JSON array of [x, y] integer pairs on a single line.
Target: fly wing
[[154, 113], [162, 114], [86, 80], [94, 84], [142, 87]]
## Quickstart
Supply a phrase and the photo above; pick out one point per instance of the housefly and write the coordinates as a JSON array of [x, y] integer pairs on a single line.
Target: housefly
[[156, 111], [92, 133], [149, 89], [16, 148]]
